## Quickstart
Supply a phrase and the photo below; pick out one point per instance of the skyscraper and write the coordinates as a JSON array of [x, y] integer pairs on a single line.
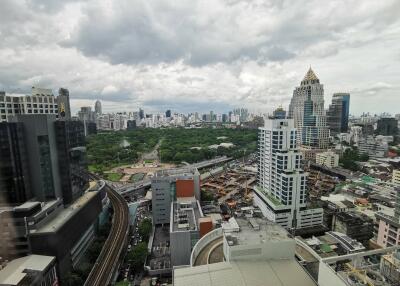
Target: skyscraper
[[141, 113], [64, 109], [71, 153], [281, 192], [14, 174], [387, 126], [41, 158], [338, 113], [168, 113], [97, 108], [307, 110]]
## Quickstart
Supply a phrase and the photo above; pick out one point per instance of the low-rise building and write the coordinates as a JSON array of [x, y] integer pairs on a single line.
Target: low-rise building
[[68, 234], [328, 159], [371, 267], [246, 251], [390, 265], [388, 230], [373, 147], [16, 221], [396, 177], [355, 225], [32, 270]]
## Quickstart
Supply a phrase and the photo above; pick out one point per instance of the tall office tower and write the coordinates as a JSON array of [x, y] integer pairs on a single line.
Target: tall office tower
[[168, 113], [281, 191], [338, 113], [387, 126], [307, 109], [97, 108], [15, 186], [42, 157], [64, 109], [241, 113], [70, 140], [41, 101], [86, 114], [211, 116], [141, 113], [47, 158]]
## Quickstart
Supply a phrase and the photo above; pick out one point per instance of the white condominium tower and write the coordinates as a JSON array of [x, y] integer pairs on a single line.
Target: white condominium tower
[[281, 191], [307, 109]]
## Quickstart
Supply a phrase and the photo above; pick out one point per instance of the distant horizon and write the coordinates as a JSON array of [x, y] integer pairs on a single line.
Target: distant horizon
[[185, 56], [75, 108]]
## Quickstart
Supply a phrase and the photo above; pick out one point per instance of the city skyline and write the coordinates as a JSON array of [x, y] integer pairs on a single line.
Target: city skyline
[[257, 67]]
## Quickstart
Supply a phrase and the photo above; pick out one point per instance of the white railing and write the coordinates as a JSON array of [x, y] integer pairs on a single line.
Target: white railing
[[308, 248], [203, 242]]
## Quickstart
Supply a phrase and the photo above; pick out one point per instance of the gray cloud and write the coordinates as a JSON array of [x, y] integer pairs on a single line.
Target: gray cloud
[[139, 31], [201, 54]]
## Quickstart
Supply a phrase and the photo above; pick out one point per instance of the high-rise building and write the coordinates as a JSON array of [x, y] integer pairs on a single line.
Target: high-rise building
[[242, 114], [41, 101], [307, 110], [97, 108], [86, 114], [281, 192], [387, 126], [338, 113], [71, 152], [168, 113], [15, 185], [42, 156], [141, 113], [43, 159], [64, 109]]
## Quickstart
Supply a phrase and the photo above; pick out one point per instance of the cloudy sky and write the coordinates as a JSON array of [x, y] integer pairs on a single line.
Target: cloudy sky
[[201, 55]]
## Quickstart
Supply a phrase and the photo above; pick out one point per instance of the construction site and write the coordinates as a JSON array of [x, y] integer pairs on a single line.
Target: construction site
[[231, 189]]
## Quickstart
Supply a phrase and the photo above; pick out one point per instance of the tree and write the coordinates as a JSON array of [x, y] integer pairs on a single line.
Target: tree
[[94, 251], [349, 158], [145, 229], [206, 196], [72, 279], [138, 255], [364, 157]]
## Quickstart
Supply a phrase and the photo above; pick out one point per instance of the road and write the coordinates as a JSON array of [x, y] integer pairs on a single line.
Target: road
[[105, 266], [129, 188]]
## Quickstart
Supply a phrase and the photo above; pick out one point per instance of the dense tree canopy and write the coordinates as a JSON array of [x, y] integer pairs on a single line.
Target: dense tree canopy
[[138, 255], [145, 229], [106, 150], [350, 157]]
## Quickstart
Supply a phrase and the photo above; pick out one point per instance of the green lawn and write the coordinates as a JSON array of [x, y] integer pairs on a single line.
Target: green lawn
[[115, 177], [137, 177]]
